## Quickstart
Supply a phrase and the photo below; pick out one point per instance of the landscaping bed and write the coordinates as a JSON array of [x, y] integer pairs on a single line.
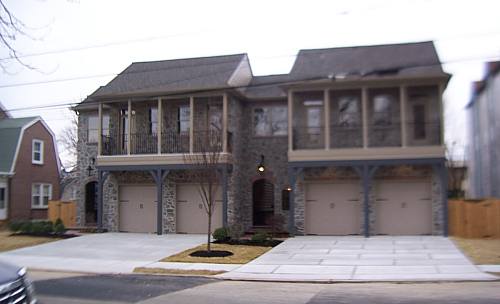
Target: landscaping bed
[[484, 251]]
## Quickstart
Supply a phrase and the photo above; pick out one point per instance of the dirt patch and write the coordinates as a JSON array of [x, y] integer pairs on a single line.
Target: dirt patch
[[11, 242], [485, 251], [176, 271], [242, 254]]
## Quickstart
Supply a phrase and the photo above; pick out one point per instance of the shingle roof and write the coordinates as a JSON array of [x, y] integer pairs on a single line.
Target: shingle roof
[[266, 86], [10, 131], [173, 75], [408, 59]]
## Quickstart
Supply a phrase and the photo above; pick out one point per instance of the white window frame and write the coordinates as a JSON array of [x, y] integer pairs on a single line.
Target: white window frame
[[270, 120], [40, 187], [33, 160]]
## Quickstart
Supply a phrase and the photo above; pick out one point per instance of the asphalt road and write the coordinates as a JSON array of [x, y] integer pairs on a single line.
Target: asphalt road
[[58, 288]]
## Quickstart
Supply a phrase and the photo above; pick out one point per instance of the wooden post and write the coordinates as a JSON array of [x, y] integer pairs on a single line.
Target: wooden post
[[99, 131], [224, 123], [129, 127], [402, 100], [326, 108], [290, 120], [159, 120], [191, 124], [364, 108]]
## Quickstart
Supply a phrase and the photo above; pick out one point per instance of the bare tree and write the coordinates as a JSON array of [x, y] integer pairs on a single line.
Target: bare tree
[[456, 170], [68, 139], [11, 28], [206, 173]]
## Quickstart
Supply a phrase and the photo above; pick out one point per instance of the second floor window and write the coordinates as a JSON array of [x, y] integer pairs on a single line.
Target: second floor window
[[270, 121], [348, 111], [93, 127], [382, 109], [37, 152], [419, 122], [314, 114], [183, 117]]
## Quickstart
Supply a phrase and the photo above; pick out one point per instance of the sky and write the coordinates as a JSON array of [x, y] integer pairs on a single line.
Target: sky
[[77, 46]]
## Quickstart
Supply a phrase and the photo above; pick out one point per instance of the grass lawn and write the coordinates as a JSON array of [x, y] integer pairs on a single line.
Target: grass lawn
[[176, 271], [242, 254], [480, 251], [8, 242]]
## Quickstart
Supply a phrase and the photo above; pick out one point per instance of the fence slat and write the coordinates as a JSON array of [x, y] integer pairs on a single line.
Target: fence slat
[[66, 211]]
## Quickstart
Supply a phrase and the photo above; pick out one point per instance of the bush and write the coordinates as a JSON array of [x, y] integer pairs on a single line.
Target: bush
[[260, 237], [26, 227], [15, 226], [221, 234], [59, 227], [41, 227]]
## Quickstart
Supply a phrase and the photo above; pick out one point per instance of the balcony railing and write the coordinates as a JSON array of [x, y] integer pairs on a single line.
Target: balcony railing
[[171, 143], [428, 134], [346, 136], [308, 138]]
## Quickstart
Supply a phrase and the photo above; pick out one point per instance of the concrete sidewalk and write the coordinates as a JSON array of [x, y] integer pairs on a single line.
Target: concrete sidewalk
[[110, 253], [380, 258]]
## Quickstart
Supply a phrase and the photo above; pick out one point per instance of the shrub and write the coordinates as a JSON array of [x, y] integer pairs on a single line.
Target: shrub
[[221, 234], [260, 237], [59, 227], [41, 227], [15, 226], [26, 227]]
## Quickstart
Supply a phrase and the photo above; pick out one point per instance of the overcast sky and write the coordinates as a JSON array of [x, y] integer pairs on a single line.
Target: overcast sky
[[87, 42]]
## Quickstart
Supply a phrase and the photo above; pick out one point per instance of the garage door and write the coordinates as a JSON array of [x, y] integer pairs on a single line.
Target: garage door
[[403, 208], [137, 208], [333, 209], [191, 216]]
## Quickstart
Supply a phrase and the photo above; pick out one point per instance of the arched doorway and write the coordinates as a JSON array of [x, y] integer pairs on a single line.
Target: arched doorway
[[91, 203], [263, 202]]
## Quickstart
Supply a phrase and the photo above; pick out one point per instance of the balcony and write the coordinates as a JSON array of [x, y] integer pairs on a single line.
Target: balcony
[[378, 123]]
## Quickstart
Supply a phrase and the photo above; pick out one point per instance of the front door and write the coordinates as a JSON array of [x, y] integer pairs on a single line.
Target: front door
[[3, 201], [263, 202], [91, 203]]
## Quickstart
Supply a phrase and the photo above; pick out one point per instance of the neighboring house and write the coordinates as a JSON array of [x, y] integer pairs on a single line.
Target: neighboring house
[[29, 168], [351, 141], [69, 186], [484, 135], [3, 113]]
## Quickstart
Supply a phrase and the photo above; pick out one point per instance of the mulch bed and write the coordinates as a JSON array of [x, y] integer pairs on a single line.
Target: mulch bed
[[47, 235], [211, 253], [268, 243]]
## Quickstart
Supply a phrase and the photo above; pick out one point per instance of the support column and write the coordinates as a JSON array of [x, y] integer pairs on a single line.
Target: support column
[[443, 179], [191, 124], [224, 123], [364, 107], [366, 172], [292, 175], [101, 178], [441, 112], [129, 127], [224, 196], [99, 130], [160, 124], [326, 97], [402, 100], [159, 176]]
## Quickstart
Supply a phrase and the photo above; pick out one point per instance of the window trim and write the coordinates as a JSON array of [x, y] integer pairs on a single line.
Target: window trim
[[33, 143], [40, 196]]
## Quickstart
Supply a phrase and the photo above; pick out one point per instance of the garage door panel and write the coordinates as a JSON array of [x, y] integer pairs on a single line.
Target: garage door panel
[[191, 216], [403, 208], [332, 209], [137, 209]]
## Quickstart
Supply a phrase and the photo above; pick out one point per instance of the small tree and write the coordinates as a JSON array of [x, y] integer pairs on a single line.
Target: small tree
[[206, 173], [456, 171]]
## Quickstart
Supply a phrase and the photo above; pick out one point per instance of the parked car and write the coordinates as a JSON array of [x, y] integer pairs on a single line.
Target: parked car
[[15, 287]]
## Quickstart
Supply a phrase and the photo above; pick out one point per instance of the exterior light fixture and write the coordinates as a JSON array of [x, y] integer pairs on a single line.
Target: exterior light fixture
[[89, 168], [289, 189], [261, 168]]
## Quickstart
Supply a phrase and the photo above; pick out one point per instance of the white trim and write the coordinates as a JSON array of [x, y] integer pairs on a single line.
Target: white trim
[[245, 80], [40, 199], [5, 211], [20, 139], [33, 151]]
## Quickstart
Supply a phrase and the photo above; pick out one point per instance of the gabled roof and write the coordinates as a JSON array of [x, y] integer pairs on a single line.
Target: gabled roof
[[408, 59], [11, 132], [173, 76]]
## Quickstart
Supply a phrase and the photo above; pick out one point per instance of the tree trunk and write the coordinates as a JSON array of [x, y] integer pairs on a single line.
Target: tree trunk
[[209, 228]]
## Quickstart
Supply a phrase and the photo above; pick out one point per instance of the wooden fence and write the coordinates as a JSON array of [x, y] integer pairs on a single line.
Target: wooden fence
[[66, 211], [474, 219]]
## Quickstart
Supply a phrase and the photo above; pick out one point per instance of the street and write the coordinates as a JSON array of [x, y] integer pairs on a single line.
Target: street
[[58, 288]]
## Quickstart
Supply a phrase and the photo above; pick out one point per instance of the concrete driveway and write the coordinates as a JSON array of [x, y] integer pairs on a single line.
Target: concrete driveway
[[379, 258], [103, 252]]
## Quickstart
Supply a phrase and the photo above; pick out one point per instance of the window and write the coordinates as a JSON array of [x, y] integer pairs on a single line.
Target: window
[[348, 111], [419, 121], [285, 199], [314, 120], [153, 120], [382, 108], [270, 121], [215, 118], [93, 127], [37, 152], [40, 195], [183, 119]]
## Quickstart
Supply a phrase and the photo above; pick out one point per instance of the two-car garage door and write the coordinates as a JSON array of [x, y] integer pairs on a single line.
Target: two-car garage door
[[401, 208]]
